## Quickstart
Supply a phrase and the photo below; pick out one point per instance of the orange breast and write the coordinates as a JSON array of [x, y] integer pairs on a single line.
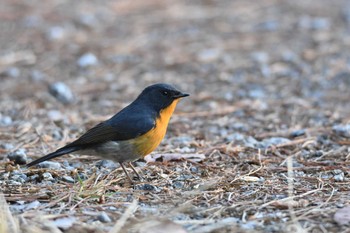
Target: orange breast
[[148, 142]]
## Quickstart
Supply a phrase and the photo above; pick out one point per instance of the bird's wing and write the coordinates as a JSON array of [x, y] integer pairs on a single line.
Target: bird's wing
[[120, 130]]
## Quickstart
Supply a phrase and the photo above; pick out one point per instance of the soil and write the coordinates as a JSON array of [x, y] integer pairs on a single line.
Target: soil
[[261, 145]]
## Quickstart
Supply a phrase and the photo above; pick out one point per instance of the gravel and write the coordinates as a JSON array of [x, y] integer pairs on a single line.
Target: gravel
[[19, 156], [49, 165], [103, 217], [62, 92]]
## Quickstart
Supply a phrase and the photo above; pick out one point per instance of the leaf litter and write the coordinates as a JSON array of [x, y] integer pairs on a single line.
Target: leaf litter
[[261, 145]]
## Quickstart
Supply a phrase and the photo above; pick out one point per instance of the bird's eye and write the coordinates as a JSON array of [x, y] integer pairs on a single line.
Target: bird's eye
[[165, 93]]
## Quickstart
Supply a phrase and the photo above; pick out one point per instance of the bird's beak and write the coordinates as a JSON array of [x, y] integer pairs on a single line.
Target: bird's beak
[[181, 95]]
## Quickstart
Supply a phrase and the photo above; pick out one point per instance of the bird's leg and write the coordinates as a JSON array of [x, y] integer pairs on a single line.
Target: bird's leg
[[126, 173], [133, 168]]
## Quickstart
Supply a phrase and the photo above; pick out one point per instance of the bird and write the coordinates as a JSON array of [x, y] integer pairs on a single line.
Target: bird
[[132, 133]]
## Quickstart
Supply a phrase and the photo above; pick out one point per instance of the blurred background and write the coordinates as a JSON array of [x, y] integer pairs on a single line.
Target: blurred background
[[252, 66], [260, 74]]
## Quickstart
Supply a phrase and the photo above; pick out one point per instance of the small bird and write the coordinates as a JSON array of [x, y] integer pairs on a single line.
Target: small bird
[[132, 133]]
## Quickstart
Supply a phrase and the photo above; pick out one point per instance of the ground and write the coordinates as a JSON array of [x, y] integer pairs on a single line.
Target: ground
[[261, 145]]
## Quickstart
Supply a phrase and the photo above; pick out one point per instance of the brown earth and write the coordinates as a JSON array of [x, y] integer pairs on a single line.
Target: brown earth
[[269, 83]]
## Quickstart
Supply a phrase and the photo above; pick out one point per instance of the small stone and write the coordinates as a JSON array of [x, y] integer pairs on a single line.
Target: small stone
[[240, 139], [181, 141], [88, 59], [61, 92], [271, 25], [83, 176], [12, 72], [34, 177], [7, 146], [14, 183], [106, 164], [22, 178], [55, 115], [297, 133], [256, 93], [37, 75], [338, 175], [209, 55], [68, 179], [19, 156], [56, 33], [260, 57], [342, 130], [47, 176], [49, 165], [5, 120], [32, 205], [103, 217], [178, 184], [317, 23], [273, 141], [88, 20], [64, 223], [146, 187]]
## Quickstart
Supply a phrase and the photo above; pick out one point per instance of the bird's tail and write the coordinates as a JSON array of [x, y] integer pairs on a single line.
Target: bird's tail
[[59, 152]]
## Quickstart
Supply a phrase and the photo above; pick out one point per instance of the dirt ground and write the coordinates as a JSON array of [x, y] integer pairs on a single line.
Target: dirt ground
[[261, 145]]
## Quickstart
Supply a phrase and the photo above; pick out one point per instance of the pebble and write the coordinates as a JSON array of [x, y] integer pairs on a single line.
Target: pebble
[[178, 184], [22, 178], [68, 179], [256, 93], [185, 149], [37, 75], [240, 139], [260, 57], [271, 25], [88, 20], [209, 55], [267, 142], [55, 115], [342, 130], [49, 165], [12, 72], [103, 217], [14, 183], [297, 133], [317, 23], [83, 176], [346, 13], [88, 59], [7, 146], [56, 33], [181, 141], [106, 164], [47, 176], [34, 177], [338, 175], [32, 205], [62, 92], [19, 156], [146, 187], [64, 223], [5, 120]]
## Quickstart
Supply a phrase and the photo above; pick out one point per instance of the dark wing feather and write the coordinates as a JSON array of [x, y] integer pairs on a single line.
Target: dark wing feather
[[119, 128]]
